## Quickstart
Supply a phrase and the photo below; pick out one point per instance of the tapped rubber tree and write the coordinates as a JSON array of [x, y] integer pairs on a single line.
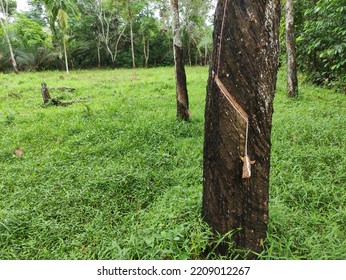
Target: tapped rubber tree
[[183, 112], [238, 120]]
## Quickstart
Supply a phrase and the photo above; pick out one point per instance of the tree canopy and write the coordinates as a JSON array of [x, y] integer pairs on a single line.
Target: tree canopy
[[105, 33], [128, 33]]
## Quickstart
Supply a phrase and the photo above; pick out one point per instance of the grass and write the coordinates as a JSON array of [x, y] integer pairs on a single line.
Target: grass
[[117, 177]]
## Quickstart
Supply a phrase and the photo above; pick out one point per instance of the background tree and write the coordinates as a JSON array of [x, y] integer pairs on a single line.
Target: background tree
[[33, 47], [148, 28], [291, 61], [112, 27], [5, 8], [195, 27], [322, 43], [240, 92], [206, 43], [319, 28], [58, 10], [63, 23], [132, 9], [85, 43], [183, 112]]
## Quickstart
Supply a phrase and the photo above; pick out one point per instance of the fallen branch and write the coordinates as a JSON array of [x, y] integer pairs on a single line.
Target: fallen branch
[[64, 89]]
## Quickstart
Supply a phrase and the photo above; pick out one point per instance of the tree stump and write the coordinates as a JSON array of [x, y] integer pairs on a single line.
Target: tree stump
[[45, 93], [48, 100]]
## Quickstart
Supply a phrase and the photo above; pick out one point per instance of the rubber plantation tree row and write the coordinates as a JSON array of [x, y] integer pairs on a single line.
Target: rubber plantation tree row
[[101, 33]]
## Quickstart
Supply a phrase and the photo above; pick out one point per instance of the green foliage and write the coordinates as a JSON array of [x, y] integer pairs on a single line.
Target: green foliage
[[117, 177], [29, 33], [321, 40], [4, 56], [9, 7], [37, 59], [324, 42], [197, 33], [92, 38]]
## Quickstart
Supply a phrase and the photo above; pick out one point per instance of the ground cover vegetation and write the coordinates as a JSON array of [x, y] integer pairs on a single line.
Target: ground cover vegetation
[[116, 176]]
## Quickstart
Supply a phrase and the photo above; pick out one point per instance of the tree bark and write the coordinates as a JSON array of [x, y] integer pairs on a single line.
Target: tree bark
[[183, 112], [291, 62], [239, 108]]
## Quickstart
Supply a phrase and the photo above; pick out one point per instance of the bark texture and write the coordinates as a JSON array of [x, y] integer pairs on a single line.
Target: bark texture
[[180, 75], [238, 115], [292, 80]]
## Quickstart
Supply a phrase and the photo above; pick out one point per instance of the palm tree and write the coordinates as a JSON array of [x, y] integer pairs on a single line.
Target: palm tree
[[58, 10]]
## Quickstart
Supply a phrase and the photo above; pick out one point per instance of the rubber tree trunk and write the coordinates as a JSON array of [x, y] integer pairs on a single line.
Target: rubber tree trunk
[[238, 115], [292, 80], [183, 112]]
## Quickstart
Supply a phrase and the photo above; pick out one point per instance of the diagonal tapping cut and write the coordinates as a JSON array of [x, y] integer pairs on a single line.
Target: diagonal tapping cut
[[246, 159], [231, 99], [246, 171]]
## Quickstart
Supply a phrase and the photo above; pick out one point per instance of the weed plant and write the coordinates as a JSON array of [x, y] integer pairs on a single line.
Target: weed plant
[[118, 177]]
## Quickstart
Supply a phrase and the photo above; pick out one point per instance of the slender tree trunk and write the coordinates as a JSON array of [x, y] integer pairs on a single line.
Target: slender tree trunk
[[145, 51], [65, 54], [148, 53], [183, 112], [132, 44], [131, 34], [206, 55], [187, 24], [98, 52], [189, 51], [314, 52], [292, 80], [8, 41], [239, 110]]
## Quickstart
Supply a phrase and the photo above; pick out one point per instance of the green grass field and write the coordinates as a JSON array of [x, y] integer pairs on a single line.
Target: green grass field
[[115, 176]]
